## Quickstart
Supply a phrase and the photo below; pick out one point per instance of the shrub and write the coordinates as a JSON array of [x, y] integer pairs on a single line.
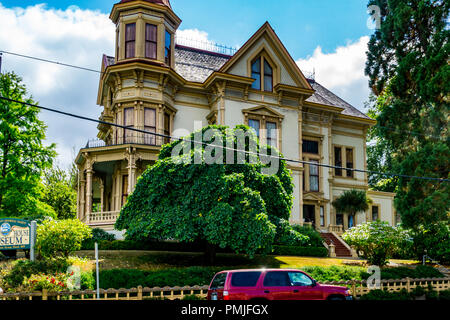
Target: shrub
[[87, 280], [97, 236], [129, 278], [300, 251], [288, 236], [53, 283], [334, 273], [315, 240], [377, 240], [385, 295], [403, 272], [22, 269], [60, 238]]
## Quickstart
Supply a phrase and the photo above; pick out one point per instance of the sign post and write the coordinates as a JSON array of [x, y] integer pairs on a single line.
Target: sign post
[[96, 271], [33, 240]]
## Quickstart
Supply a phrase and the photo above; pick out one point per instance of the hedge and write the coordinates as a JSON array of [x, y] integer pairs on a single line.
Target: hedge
[[300, 251], [129, 278]]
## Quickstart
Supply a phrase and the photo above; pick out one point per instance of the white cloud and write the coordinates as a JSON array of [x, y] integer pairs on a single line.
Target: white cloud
[[341, 71], [72, 36]]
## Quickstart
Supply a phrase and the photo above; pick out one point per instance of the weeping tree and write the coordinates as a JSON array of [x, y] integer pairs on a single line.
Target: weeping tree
[[352, 202], [227, 199]]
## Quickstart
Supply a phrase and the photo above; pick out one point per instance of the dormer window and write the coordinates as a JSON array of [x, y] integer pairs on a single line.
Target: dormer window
[[151, 42], [130, 40], [262, 72], [168, 48]]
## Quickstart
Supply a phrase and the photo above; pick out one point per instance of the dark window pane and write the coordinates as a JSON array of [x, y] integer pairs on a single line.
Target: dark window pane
[[314, 176], [375, 215], [151, 32], [130, 32], [245, 279], [255, 125], [130, 37], [150, 41], [256, 66], [339, 219], [349, 160], [150, 126], [271, 134], [168, 50], [338, 161], [257, 83], [268, 83], [219, 281], [310, 147], [277, 279]]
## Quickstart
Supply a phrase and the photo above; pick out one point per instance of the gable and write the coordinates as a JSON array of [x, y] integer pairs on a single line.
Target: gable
[[266, 42], [264, 111]]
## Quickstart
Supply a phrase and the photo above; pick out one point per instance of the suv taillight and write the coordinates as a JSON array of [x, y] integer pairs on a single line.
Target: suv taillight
[[225, 295]]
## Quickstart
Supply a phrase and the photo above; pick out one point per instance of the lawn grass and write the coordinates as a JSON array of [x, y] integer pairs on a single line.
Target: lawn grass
[[157, 260]]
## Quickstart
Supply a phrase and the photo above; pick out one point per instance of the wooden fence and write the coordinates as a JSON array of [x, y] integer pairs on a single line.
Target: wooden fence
[[358, 289]]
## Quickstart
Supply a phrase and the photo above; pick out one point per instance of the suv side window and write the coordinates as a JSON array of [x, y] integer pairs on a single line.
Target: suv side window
[[277, 279], [219, 281], [300, 279], [245, 279]]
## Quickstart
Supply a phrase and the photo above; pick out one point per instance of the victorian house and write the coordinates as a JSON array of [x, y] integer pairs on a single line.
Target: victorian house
[[159, 86]]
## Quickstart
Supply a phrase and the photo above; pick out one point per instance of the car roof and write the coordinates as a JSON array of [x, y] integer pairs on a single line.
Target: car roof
[[258, 270]]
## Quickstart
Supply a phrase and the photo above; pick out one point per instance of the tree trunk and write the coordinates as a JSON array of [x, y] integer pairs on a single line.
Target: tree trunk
[[210, 254]]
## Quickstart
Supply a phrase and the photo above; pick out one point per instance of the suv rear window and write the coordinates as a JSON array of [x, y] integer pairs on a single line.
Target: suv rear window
[[219, 281], [245, 279]]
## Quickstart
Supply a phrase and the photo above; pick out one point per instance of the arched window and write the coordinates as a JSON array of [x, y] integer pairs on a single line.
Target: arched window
[[262, 72]]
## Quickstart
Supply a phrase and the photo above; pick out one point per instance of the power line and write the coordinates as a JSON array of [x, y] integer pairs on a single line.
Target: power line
[[223, 147], [100, 72], [51, 61]]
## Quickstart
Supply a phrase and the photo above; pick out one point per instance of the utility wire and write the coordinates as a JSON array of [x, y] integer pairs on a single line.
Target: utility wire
[[222, 147], [100, 72]]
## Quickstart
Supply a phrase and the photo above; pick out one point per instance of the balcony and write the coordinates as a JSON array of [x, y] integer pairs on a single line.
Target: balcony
[[101, 219], [139, 139]]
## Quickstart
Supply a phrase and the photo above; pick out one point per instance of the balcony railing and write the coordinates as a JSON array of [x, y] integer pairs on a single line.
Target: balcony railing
[[147, 140], [102, 217]]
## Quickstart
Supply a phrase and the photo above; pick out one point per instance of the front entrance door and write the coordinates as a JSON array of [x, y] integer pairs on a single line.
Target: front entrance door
[[309, 213], [351, 222]]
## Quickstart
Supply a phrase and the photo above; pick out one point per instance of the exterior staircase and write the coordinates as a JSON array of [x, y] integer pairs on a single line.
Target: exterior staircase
[[340, 249]]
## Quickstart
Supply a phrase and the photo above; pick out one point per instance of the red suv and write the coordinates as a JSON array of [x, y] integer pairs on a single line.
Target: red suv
[[272, 284]]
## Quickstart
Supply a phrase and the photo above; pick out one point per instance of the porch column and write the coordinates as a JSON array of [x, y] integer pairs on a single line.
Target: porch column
[[102, 191], [317, 215], [82, 204], [89, 174], [131, 171], [301, 196]]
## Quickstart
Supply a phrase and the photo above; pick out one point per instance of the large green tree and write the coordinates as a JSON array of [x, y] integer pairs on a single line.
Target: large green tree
[[410, 77], [59, 194], [23, 155], [232, 206]]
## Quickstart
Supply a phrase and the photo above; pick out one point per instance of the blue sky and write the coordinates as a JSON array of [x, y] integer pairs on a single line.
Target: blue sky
[[302, 25], [327, 36]]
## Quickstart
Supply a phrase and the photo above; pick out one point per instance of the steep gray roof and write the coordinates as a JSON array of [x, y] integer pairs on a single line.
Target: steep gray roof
[[324, 96], [197, 65]]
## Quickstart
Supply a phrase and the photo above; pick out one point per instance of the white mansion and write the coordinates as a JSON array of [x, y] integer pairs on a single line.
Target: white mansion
[[159, 86]]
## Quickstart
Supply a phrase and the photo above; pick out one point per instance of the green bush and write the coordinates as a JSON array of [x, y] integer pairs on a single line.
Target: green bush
[[87, 281], [286, 235], [128, 278], [385, 295], [97, 236], [22, 269], [377, 240], [404, 272], [300, 251], [315, 240], [60, 238], [334, 273]]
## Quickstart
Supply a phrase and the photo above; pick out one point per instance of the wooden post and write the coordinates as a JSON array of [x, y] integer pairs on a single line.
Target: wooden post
[[139, 296], [408, 285], [354, 288], [44, 294]]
